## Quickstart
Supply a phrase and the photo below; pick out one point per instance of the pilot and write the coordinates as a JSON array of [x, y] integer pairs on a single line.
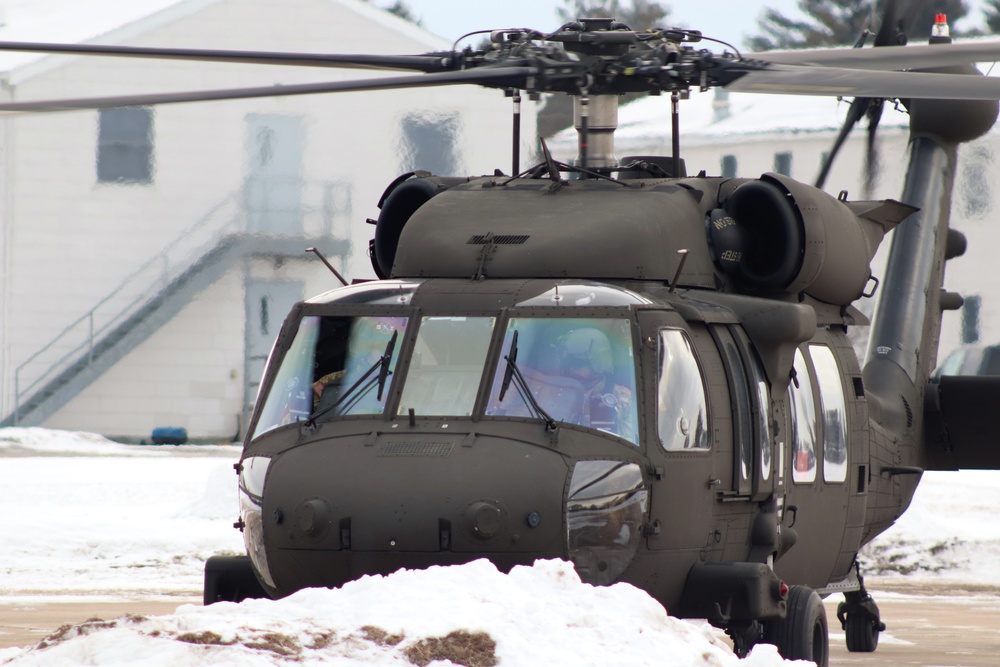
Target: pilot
[[585, 356], [368, 340]]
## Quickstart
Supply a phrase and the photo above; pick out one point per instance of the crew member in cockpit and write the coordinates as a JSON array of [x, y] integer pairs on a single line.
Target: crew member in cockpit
[[585, 355]]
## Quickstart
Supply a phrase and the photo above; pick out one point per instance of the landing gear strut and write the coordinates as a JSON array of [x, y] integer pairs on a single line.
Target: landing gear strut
[[745, 636], [859, 617]]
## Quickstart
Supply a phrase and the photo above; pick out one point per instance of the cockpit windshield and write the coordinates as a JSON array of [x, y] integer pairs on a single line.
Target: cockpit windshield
[[576, 370], [334, 366], [579, 370]]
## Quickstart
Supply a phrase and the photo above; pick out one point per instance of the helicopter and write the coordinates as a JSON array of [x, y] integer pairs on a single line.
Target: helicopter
[[642, 372]]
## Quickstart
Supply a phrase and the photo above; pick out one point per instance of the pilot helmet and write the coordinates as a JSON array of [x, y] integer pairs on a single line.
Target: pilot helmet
[[589, 346]]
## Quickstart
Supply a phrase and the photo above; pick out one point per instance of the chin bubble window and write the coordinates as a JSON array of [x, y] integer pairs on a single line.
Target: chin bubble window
[[604, 515]]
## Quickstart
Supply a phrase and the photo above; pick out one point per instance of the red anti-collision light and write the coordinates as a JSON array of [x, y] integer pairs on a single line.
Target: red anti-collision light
[[940, 18], [783, 590]]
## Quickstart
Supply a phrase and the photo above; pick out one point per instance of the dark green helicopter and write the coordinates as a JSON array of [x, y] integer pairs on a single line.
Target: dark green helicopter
[[645, 373]]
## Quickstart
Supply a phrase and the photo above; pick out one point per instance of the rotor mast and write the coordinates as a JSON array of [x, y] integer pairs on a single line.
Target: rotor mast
[[595, 118]]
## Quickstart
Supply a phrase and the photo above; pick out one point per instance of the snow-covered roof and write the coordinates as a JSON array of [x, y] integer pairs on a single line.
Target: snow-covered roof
[[709, 117], [115, 21]]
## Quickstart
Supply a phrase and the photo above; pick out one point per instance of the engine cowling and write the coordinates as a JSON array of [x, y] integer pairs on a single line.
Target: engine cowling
[[775, 235]]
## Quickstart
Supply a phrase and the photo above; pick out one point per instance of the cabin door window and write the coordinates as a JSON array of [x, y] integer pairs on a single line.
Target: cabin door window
[[834, 410], [804, 423], [751, 403]]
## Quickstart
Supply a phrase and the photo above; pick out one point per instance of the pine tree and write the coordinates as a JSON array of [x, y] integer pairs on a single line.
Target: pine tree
[[841, 22], [401, 9], [638, 15], [991, 11]]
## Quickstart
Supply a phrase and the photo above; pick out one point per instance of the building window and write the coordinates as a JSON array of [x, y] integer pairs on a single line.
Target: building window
[[429, 143], [729, 166], [783, 163], [970, 318], [125, 145]]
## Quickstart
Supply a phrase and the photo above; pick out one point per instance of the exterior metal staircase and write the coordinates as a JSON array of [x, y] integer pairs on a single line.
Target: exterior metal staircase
[[145, 301]]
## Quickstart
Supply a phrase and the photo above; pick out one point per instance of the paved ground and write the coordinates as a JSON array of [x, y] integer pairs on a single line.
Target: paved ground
[[926, 627], [27, 623]]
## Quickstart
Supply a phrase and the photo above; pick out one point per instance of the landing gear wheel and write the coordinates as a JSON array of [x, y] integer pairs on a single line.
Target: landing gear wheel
[[230, 579], [862, 632], [802, 634], [859, 616]]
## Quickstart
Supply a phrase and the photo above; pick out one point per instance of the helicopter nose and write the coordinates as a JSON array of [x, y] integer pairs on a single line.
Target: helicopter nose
[[341, 507]]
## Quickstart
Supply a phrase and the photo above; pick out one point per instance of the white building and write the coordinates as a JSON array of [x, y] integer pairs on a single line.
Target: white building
[[149, 254], [746, 135]]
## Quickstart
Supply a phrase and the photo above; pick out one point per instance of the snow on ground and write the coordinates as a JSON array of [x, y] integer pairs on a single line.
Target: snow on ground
[[948, 535], [90, 519]]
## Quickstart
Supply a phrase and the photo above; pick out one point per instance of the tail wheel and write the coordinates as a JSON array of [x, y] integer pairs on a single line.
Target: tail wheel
[[862, 632], [803, 633]]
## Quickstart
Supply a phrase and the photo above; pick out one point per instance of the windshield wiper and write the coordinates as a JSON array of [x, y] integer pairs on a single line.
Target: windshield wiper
[[514, 373], [511, 363], [382, 364], [386, 359]]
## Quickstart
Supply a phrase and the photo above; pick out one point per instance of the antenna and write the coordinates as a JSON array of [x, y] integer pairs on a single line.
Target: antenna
[[673, 283], [328, 265]]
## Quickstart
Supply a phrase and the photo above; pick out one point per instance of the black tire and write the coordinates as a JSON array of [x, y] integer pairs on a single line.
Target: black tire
[[862, 632], [803, 633], [230, 579]]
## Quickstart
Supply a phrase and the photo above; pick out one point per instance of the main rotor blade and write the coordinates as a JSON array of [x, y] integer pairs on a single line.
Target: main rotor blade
[[859, 105], [887, 57], [499, 77], [839, 82], [430, 62]]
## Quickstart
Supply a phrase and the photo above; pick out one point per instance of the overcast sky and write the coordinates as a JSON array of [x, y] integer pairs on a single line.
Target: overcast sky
[[722, 19]]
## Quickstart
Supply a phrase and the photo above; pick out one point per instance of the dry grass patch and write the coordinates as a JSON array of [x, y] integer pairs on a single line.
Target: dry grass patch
[[205, 638], [69, 631], [472, 649], [283, 645], [376, 634], [322, 640]]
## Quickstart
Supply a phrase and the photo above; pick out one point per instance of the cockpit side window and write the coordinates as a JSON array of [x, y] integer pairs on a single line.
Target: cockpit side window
[[682, 400], [333, 366], [804, 426], [579, 370], [834, 408], [742, 407], [288, 399], [447, 366]]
